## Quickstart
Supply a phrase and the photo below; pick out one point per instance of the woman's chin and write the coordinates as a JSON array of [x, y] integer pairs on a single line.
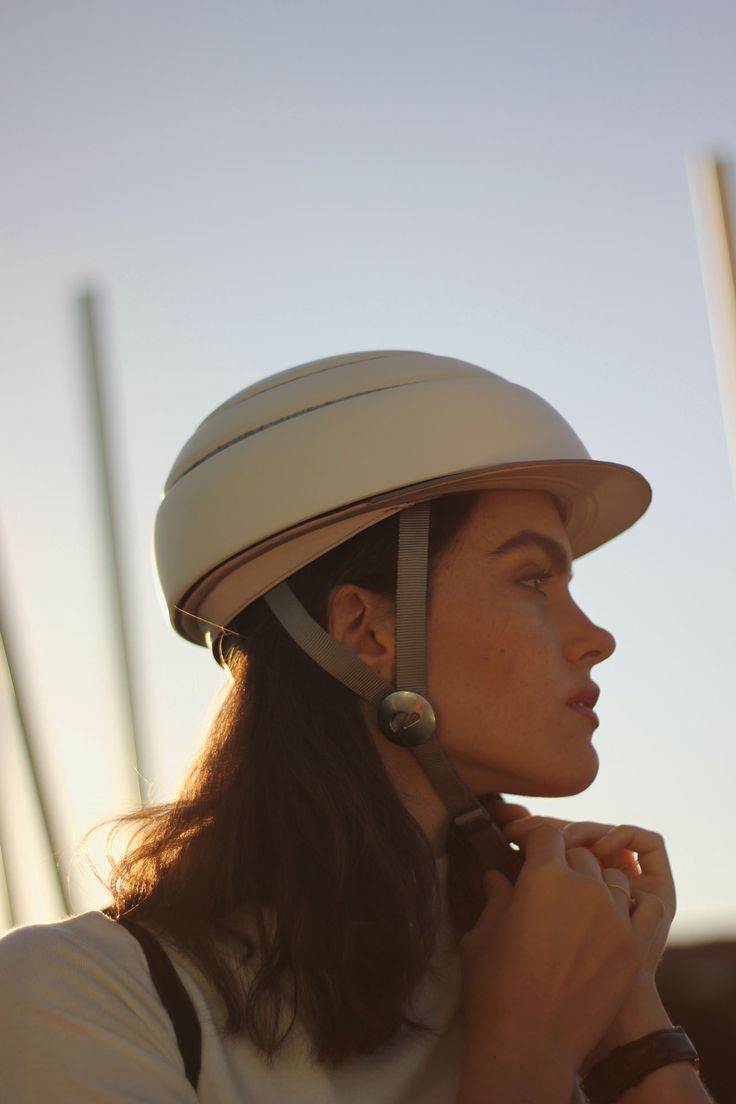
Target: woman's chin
[[556, 783], [560, 778]]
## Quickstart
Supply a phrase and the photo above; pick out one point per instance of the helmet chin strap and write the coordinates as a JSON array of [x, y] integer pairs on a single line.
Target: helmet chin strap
[[405, 714]]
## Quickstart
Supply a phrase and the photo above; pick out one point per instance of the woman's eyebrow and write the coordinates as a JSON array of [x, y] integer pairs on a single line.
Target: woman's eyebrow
[[530, 538]]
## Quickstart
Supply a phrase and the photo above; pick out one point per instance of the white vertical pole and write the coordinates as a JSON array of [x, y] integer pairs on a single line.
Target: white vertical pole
[[31, 749], [6, 893], [110, 523], [712, 205]]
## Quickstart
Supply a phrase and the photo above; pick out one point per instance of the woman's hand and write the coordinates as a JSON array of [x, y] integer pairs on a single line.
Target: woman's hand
[[552, 959], [635, 859], [639, 854]]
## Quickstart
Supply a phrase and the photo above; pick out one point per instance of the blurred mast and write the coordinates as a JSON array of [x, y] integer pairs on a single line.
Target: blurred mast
[[96, 386], [7, 895], [709, 182], [32, 752]]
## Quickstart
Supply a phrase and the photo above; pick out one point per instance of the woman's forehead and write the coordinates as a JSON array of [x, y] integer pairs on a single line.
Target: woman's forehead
[[500, 511], [505, 521], [501, 524]]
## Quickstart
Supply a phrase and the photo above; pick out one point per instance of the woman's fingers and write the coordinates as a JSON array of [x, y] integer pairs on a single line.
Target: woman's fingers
[[608, 840], [542, 843], [586, 832], [656, 873], [637, 852], [577, 833], [584, 861], [590, 833], [649, 847], [581, 834], [650, 925], [518, 828], [620, 889], [504, 811]]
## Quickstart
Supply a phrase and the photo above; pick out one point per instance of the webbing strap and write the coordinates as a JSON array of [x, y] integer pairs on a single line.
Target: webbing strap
[[411, 600], [458, 798], [344, 665], [324, 649], [489, 843], [411, 652]]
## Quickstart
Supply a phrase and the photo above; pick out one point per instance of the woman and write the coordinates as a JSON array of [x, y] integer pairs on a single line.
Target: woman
[[346, 917]]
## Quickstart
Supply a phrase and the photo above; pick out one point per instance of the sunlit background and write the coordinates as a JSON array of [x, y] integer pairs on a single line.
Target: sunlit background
[[254, 185]]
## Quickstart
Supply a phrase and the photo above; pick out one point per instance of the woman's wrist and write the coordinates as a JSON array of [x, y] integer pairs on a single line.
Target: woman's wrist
[[641, 1013]]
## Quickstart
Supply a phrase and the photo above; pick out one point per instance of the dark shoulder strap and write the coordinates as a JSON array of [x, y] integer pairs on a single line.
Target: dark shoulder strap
[[174, 997]]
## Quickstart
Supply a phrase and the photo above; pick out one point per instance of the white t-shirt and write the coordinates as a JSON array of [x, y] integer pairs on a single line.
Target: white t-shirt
[[81, 1022]]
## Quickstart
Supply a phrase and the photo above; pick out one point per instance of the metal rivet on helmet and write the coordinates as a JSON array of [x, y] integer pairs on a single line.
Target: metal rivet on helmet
[[406, 718]]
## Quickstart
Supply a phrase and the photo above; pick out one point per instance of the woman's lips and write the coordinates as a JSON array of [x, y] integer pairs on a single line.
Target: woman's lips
[[583, 701], [585, 711]]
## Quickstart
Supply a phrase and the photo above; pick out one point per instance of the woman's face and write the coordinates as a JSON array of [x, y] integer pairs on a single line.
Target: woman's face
[[508, 651]]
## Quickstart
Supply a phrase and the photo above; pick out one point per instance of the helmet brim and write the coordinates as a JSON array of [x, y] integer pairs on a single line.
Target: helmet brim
[[599, 500]]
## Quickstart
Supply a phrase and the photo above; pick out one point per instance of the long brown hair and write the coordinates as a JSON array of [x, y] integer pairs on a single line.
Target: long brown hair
[[289, 814]]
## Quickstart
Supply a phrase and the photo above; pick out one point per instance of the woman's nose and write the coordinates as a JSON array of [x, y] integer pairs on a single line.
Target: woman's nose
[[591, 642]]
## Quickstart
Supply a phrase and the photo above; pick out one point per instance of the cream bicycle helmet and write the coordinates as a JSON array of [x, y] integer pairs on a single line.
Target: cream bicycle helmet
[[299, 462]]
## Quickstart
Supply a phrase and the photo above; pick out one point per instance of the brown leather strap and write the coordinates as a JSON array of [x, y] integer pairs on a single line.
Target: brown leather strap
[[628, 1065]]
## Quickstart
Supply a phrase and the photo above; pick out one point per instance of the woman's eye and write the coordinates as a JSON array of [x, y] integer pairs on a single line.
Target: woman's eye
[[536, 582]]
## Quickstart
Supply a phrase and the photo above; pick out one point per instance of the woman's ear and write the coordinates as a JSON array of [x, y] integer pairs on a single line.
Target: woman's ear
[[364, 622]]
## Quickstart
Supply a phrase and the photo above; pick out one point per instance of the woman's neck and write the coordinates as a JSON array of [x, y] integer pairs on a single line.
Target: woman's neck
[[416, 793]]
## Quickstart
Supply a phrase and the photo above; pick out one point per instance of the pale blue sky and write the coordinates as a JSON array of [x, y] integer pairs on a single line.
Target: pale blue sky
[[255, 185]]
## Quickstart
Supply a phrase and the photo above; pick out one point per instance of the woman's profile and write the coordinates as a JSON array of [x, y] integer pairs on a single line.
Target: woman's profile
[[339, 906]]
